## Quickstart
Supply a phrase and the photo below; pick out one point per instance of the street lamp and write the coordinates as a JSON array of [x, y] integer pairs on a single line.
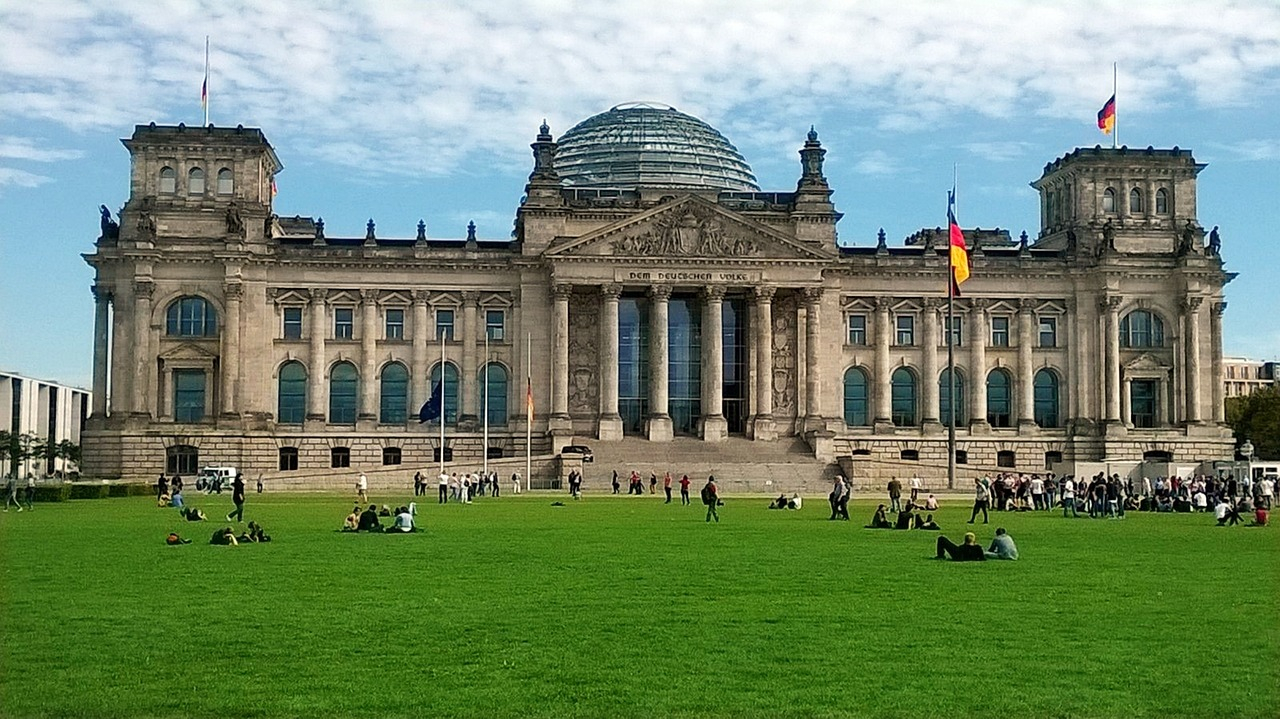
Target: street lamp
[[1247, 450]]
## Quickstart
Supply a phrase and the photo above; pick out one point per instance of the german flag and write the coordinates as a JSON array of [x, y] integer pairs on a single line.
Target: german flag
[[959, 251], [1107, 116]]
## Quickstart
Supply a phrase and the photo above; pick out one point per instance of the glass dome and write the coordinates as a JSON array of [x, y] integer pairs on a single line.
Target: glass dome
[[642, 145]]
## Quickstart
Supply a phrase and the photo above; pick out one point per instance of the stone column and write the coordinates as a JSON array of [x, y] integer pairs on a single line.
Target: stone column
[[659, 422], [714, 426], [1191, 318], [420, 371], [316, 409], [609, 424], [813, 359], [978, 335], [366, 409], [560, 353], [929, 366], [763, 428], [141, 350], [1026, 372], [101, 332], [1215, 353], [1126, 404], [469, 419], [884, 373], [232, 292], [120, 368], [1110, 307]]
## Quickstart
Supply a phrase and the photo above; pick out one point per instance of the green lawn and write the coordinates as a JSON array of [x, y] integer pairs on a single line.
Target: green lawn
[[623, 607]]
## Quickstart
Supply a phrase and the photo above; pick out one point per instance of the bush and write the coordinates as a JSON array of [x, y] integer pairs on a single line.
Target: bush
[[142, 490], [53, 492], [90, 491], [117, 490]]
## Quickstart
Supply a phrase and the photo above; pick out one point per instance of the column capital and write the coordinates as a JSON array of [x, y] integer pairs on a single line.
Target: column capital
[[318, 295], [1190, 303], [813, 295], [713, 293], [470, 297], [1109, 303], [101, 292], [143, 289], [561, 290], [1027, 305], [1218, 308], [610, 291], [368, 297], [420, 297], [884, 304], [932, 303], [979, 304], [233, 291], [660, 292], [763, 293]]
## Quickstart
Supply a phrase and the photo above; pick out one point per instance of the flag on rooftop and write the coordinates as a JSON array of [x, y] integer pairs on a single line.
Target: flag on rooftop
[[1107, 116]]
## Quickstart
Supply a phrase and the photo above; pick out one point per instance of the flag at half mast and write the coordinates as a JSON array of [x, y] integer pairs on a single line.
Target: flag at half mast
[[1107, 116], [958, 250]]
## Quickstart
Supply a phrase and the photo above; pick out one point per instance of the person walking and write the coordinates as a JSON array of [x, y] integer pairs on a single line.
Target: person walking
[[895, 495], [30, 494], [981, 499], [362, 488], [493, 482], [237, 497], [711, 498], [666, 486], [616, 484], [515, 482], [259, 483], [443, 483], [684, 491], [11, 494], [842, 504]]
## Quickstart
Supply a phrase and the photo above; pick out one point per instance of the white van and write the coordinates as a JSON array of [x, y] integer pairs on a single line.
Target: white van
[[213, 479]]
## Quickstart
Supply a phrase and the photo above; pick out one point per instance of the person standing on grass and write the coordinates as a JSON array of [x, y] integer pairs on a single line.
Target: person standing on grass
[[31, 492], [842, 504], [834, 497], [666, 486], [493, 482], [916, 486], [515, 482], [684, 490], [237, 497], [653, 483], [981, 498], [362, 488], [1037, 493], [711, 497], [11, 494], [895, 495], [162, 486], [1069, 496], [616, 484]]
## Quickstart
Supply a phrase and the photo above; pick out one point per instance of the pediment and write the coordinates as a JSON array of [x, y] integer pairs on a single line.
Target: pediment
[[1145, 363], [188, 352], [688, 228]]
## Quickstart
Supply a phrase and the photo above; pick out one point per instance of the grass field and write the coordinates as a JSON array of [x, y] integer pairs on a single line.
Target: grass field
[[623, 607]]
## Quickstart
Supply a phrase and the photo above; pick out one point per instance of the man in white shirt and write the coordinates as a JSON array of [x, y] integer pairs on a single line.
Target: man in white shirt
[[362, 488], [443, 479], [916, 486], [1037, 493], [1266, 488], [1069, 497], [515, 481], [403, 523]]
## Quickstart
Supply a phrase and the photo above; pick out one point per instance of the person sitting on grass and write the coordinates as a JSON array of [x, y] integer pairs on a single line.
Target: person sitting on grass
[[255, 534], [779, 503], [352, 522], [369, 520], [880, 520], [191, 514], [931, 504], [176, 499], [1226, 513], [403, 523], [1261, 515], [796, 501], [164, 500], [906, 518], [967, 552], [1002, 546], [926, 523], [224, 537]]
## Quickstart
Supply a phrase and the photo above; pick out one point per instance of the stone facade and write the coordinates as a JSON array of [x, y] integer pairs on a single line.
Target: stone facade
[[735, 313]]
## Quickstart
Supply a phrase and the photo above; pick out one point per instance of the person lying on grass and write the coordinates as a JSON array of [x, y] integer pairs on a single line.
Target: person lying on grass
[[880, 520], [255, 533], [779, 503], [967, 552], [926, 523], [224, 537], [403, 523], [174, 539], [191, 514]]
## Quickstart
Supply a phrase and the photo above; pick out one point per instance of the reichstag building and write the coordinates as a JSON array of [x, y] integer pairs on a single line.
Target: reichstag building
[[652, 292]]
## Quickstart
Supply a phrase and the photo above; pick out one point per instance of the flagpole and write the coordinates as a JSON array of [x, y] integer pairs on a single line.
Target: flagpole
[[485, 409], [206, 81], [528, 424], [951, 345], [442, 394], [1115, 122]]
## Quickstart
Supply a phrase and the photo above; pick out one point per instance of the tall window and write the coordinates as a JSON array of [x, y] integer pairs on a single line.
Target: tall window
[[857, 329], [633, 363], [225, 182], [1142, 403], [1109, 200], [1162, 201], [495, 325], [496, 403], [168, 181], [999, 398], [293, 323], [288, 459], [734, 332], [291, 403], [903, 395], [944, 399], [340, 457], [684, 345], [444, 324], [1048, 332], [344, 386], [956, 325], [1046, 398], [999, 331], [394, 397], [181, 459], [1141, 328], [344, 323], [188, 395], [449, 391], [195, 181], [855, 397], [1135, 200], [191, 317], [395, 324], [906, 330]]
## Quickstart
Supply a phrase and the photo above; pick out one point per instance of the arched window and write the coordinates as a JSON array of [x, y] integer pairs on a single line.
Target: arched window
[[1162, 201], [1046, 398], [1135, 200], [344, 387], [1109, 200], [999, 398], [291, 398], [395, 394], [226, 183], [191, 317], [195, 181], [1141, 328], [168, 180], [944, 399], [855, 397], [903, 395], [496, 403], [449, 391]]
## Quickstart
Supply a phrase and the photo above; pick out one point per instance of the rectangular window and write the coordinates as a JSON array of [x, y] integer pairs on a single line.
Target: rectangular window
[[495, 325], [999, 331], [293, 323], [188, 395], [395, 324], [344, 324], [906, 330], [288, 459], [444, 324], [1048, 332], [340, 457], [390, 455], [955, 326], [857, 329]]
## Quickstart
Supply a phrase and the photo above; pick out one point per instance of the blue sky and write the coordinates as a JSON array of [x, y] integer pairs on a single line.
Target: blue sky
[[406, 110]]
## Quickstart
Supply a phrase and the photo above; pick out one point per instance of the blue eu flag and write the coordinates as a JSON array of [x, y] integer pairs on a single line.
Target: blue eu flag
[[434, 406]]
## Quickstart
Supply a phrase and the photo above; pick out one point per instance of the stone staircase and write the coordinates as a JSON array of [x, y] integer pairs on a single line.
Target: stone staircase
[[740, 466]]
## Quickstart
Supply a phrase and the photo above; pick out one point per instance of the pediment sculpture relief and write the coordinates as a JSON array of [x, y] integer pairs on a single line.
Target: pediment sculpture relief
[[689, 231]]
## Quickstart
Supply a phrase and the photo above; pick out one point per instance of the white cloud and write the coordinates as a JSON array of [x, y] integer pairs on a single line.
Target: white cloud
[[1258, 150], [21, 148], [999, 151], [876, 162], [13, 177]]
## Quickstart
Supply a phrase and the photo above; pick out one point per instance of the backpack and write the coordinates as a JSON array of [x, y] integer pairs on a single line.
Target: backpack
[[708, 494]]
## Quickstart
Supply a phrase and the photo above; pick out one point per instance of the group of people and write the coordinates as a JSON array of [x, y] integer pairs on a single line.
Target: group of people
[[370, 519], [1002, 547], [465, 487], [907, 517], [635, 485], [227, 537], [28, 495]]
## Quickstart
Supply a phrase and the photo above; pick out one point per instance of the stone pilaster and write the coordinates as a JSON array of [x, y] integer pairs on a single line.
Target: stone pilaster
[[141, 350], [978, 335], [469, 420], [1191, 319], [929, 366], [233, 293], [316, 374], [1109, 306], [658, 425], [762, 426], [714, 426], [813, 419], [419, 372], [1026, 372], [1215, 349], [560, 352], [367, 412], [101, 333], [609, 424], [883, 408]]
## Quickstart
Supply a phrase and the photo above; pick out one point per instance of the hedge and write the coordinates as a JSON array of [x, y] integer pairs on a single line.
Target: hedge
[[53, 492], [90, 491]]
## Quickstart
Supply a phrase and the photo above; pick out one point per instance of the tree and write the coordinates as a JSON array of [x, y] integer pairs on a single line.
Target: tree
[[18, 448], [1256, 417], [67, 451]]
